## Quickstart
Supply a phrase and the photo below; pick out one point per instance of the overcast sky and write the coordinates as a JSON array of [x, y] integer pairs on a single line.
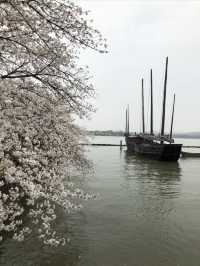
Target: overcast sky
[[140, 34]]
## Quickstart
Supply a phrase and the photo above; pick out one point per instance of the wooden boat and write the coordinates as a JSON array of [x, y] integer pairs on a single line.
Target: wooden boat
[[160, 147], [148, 146]]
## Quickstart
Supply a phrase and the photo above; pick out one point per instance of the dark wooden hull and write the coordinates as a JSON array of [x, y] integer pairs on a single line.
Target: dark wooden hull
[[164, 152]]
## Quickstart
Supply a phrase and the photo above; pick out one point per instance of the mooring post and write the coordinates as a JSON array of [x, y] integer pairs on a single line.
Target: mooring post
[[120, 144]]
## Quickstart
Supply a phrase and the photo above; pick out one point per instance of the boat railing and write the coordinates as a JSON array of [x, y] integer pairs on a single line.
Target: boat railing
[[151, 137]]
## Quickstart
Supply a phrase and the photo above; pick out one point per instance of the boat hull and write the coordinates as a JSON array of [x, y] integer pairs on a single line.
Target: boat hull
[[158, 151]]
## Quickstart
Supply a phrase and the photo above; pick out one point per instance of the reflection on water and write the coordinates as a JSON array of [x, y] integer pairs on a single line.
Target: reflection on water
[[163, 177], [152, 185], [147, 214], [32, 252], [153, 168]]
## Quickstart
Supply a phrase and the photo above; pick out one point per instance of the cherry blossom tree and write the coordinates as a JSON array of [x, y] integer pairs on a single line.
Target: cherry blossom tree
[[42, 89]]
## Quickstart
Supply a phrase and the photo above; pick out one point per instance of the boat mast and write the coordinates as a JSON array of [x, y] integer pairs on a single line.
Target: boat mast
[[164, 100], [151, 130], [143, 123], [126, 123], [172, 120], [128, 119]]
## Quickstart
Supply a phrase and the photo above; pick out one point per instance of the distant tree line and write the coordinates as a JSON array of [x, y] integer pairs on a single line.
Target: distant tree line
[[105, 133], [192, 135]]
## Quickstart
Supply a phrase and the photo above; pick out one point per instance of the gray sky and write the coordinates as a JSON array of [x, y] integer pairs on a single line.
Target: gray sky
[[140, 35]]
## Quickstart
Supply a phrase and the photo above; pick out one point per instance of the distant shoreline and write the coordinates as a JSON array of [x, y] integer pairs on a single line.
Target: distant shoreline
[[189, 135]]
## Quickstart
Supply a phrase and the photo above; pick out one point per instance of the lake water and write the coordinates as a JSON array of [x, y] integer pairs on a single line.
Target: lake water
[[147, 213]]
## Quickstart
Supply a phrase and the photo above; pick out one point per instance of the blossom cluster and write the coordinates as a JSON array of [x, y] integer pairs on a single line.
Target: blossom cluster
[[40, 40], [38, 143], [42, 89]]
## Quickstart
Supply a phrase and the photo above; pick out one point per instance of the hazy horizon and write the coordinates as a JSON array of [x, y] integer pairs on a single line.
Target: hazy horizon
[[140, 35], [155, 132]]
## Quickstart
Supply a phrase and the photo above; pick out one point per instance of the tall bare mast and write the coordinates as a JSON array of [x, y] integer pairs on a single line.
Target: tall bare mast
[[128, 119], [126, 123], [143, 122], [172, 119], [164, 99], [151, 129]]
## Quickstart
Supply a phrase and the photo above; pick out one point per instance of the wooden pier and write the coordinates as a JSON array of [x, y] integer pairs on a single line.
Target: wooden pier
[[103, 144], [123, 145], [183, 153]]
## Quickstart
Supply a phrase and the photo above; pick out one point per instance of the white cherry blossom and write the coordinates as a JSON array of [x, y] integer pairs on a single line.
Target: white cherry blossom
[[42, 89]]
